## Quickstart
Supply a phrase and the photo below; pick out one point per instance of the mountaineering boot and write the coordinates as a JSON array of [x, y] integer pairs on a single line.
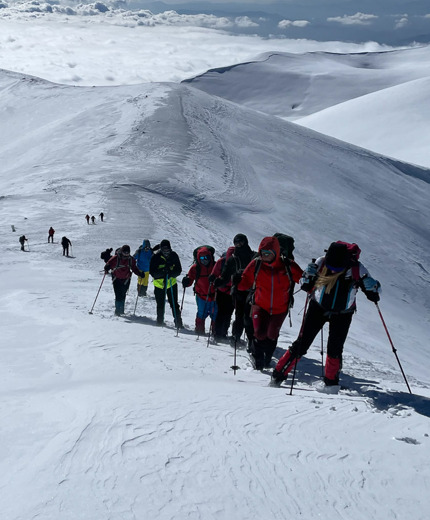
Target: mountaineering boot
[[117, 308], [178, 322], [276, 379], [257, 355], [325, 388]]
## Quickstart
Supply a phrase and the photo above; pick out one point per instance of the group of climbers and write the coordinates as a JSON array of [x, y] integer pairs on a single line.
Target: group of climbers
[[258, 288]]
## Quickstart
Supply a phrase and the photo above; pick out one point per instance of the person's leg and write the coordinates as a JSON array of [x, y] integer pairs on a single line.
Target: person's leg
[[161, 304], [313, 323], [338, 331], [239, 305], [172, 297], [260, 321]]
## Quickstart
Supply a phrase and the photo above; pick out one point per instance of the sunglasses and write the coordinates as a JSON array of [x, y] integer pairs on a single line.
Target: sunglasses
[[238, 244], [204, 258], [265, 252]]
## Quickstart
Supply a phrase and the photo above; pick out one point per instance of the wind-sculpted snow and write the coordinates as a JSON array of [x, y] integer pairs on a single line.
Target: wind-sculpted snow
[[106, 417]]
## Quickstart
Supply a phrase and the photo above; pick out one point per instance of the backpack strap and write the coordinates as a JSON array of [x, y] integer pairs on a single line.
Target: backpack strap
[[287, 265]]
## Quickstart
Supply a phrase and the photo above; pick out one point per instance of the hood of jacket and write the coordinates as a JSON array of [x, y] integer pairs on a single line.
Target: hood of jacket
[[204, 251], [271, 244]]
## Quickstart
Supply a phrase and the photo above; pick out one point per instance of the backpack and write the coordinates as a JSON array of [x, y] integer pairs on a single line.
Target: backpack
[[287, 245], [195, 256]]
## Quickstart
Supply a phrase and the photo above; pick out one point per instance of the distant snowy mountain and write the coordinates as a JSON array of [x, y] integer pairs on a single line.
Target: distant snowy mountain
[[106, 417], [293, 86]]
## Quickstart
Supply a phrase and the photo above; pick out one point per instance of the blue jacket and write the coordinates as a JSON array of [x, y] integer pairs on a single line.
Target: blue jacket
[[143, 257]]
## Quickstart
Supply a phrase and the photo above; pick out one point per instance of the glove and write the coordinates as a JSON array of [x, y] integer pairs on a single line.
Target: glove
[[308, 285], [373, 296], [212, 278], [217, 283], [186, 282], [107, 269], [236, 278], [370, 284], [311, 270]]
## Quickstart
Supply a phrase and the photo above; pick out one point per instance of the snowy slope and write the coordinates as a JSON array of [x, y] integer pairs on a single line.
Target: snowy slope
[[297, 85], [114, 418], [394, 121]]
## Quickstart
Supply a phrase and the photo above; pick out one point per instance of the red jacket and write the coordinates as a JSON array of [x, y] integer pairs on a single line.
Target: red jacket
[[219, 264], [201, 287], [272, 283], [122, 266]]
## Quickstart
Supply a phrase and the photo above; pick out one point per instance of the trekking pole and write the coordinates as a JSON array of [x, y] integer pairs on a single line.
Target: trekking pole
[[393, 348], [135, 305], [211, 325], [300, 336], [28, 246], [174, 311], [322, 352], [183, 296], [234, 367], [103, 279], [166, 279]]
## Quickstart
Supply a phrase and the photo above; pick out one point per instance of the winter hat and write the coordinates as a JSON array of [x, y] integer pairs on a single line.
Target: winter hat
[[336, 258], [125, 249], [240, 237], [146, 243], [165, 244]]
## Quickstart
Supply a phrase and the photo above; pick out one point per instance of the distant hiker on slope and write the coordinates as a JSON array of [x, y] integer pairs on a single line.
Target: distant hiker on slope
[[93, 219], [269, 282], [87, 218], [332, 283], [223, 297], [106, 255], [164, 267], [143, 257], [122, 265], [51, 235], [203, 289], [22, 241], [65, 242], [101, 216], [232, 273]]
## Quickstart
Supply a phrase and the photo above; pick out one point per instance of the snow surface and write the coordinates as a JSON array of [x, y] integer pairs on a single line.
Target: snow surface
[[114, 418]]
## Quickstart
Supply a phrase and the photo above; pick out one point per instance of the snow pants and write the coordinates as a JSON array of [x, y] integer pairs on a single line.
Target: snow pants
[[120, 287], [315, 319], [266, 332], [225, 311], [142, 284], [172, 298]]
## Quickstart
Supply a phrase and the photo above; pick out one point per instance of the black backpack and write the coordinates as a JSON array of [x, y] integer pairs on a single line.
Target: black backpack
[[287, 245]]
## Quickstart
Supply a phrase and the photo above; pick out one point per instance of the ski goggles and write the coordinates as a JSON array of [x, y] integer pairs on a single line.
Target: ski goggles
[[334, 269], [267, 252], [202, 258]]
